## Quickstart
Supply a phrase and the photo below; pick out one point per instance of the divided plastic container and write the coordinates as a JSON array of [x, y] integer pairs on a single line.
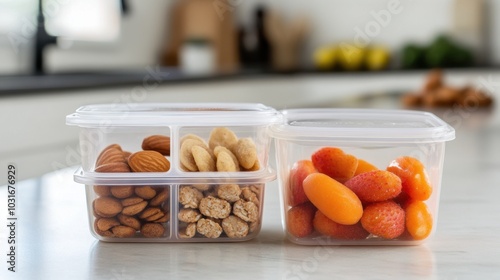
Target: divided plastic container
[[412, 142], [175, 205], [355, 147]]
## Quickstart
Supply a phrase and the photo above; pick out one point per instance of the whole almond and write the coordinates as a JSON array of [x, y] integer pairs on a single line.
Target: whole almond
[[107, 223], [114, 167], [105, 233], [152, 230], [145, 192], [134, 209], [107, 207], [122, 191], [163, 219], [129, 221], [110, 147], [123, 231], [131, 201], [160, 197], [152, 211], [148, 161], [102, 190], [157, 143], [110, 156]]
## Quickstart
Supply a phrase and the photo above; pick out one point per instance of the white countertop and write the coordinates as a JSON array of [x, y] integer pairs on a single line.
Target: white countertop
[[54, 241]]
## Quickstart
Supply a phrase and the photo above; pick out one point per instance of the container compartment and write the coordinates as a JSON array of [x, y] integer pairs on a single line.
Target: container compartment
[[121, 213], [219, 212], [373, 176]]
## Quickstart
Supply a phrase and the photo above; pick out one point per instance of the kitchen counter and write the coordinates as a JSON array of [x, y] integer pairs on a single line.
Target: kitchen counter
[[54, 241]]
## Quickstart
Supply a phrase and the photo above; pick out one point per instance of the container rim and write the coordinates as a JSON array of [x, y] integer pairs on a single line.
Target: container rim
[[158, 178], [164, 114], [362, 125]]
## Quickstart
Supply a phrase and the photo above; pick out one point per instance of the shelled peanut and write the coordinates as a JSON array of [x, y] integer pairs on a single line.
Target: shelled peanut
[[215, 211]]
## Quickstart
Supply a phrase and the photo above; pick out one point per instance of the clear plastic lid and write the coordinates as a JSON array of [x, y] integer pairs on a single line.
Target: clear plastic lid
[[154, 178], [153, 114], [362, 125]]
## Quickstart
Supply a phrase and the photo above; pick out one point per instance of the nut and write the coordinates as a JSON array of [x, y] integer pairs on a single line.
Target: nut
[[246, 152], [106, 233], [255, 167], [105, 224], [151, 214], [122, 191], [160, 197], [225, 163], [165, 218], [134, 209], [204, 161], [110, 156], [145, 192], [114, 167], [219, 149], [107, 207], [100, 159], [123, 231], [129, 221], [158, 143], [102, 190], [234, 227], [148, 161], [193, 137], [152, 230], [131, 201], [215, 207], [186, 153], [208, 228], [222, 136]]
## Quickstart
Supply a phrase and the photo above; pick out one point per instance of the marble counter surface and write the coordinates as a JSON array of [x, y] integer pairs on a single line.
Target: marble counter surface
[[54, 241]]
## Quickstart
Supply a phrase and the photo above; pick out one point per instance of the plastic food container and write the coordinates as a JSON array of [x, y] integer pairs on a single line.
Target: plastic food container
[[360, 176], [174, 172]]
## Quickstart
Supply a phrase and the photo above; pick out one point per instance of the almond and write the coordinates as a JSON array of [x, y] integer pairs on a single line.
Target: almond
[[157, 143], [110, 156], [148, 161], [129, 221], [122, 191], [114, 167], [105, 224], [107, 207], [134, 209], [145, 192], [152, 230], [123, 231]]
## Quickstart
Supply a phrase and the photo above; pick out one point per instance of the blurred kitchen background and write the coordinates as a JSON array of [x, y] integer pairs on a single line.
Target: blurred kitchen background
[[84, 35], [57, 55]]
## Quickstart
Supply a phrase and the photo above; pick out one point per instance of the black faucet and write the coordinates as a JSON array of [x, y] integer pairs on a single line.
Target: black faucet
[[42, 40]]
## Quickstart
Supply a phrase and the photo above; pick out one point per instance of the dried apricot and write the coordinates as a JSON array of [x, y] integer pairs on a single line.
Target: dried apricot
[[364, 166], [414, 179], [335, 200], [418, 220]]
